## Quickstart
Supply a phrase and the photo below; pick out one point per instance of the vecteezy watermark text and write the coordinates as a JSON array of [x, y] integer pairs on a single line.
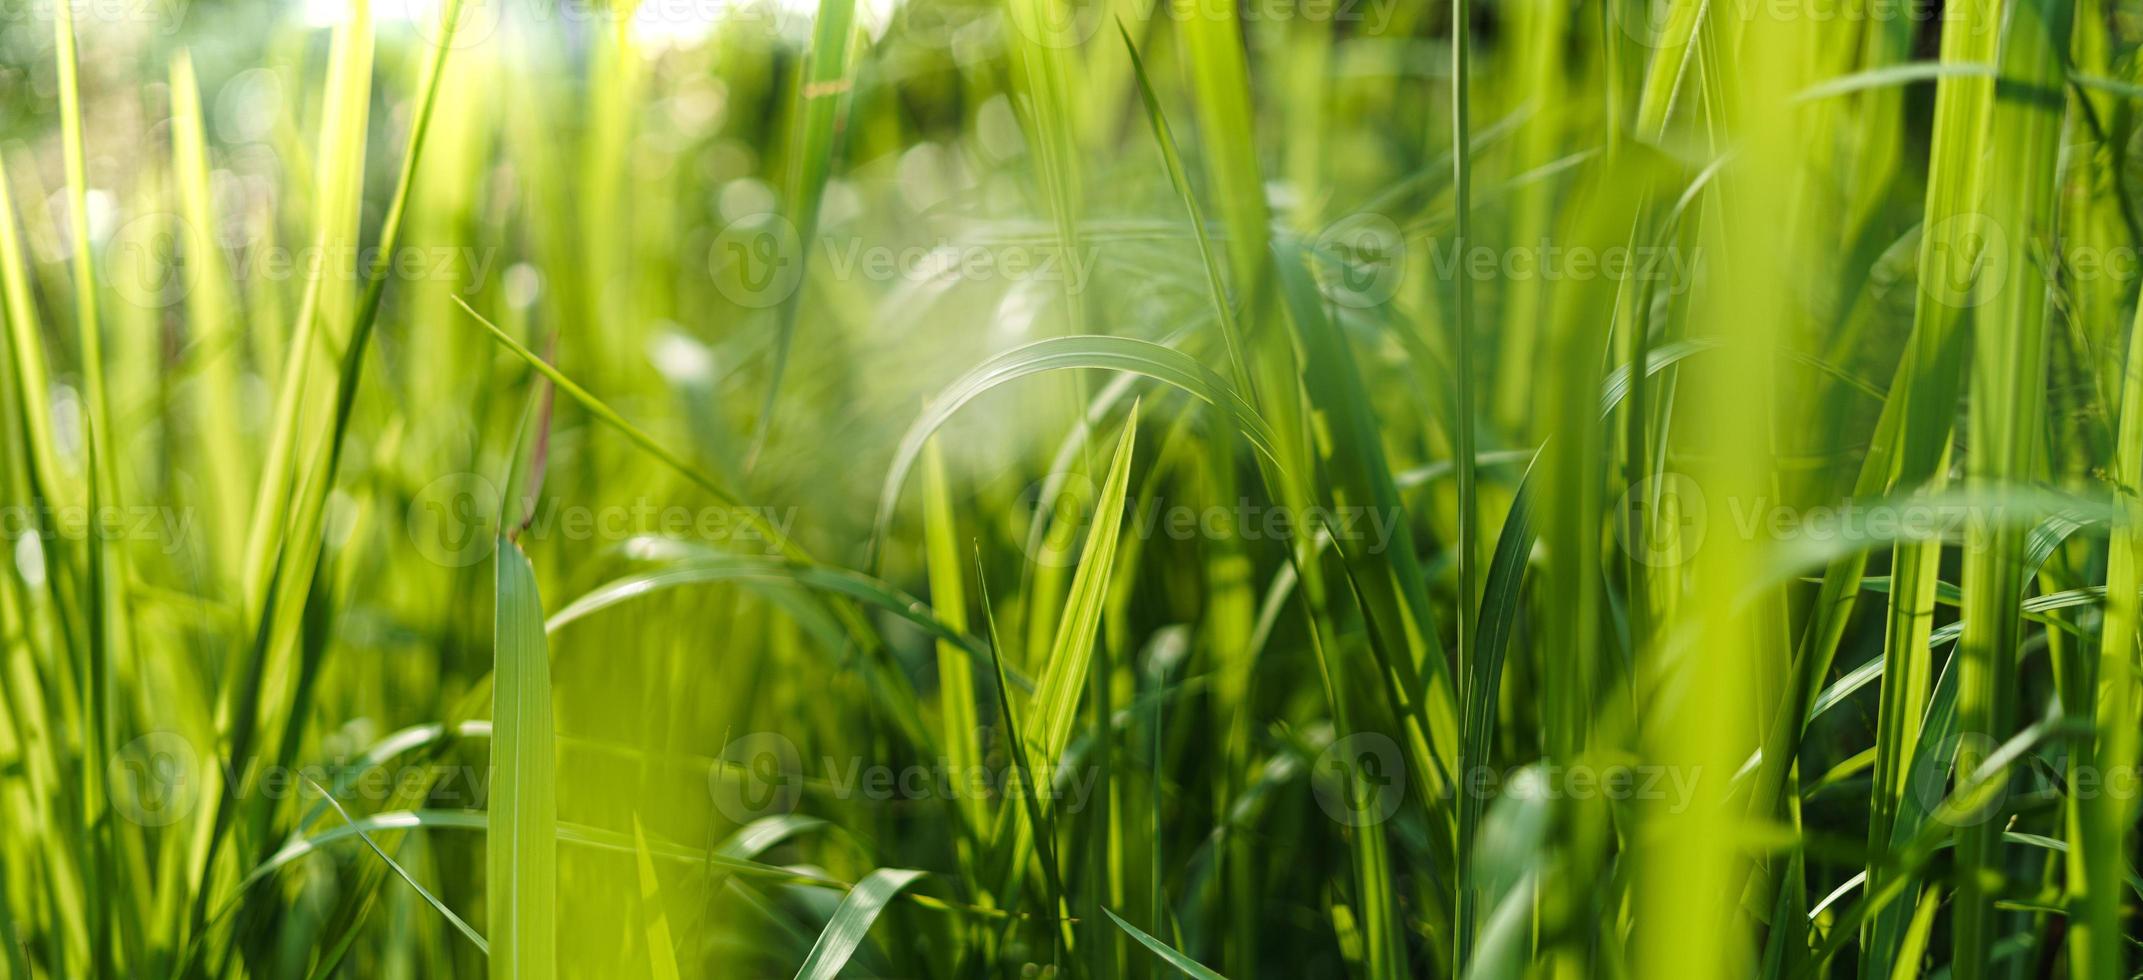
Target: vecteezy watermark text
[[1664, 520], [1360, 780], [168, 527], [1072, 24], [763, 774], [1067, 500], [1552, 262], [454, 521], [148, 265], [167, 14], [160, 778], [759, 260]]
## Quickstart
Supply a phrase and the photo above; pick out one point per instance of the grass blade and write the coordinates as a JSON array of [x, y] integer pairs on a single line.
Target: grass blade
[[2096, 949], [1151, 360], [429, 899], [1064, 672], [1217, 289], [1168, 954], [822, 96], [956, 681], [1463, 424], [852, 921], [1499, 615], [98, 830], [2009, 398], [521, 850], [28, 361], [1040, 828], [608, 415], [218, 342], [662, 956]]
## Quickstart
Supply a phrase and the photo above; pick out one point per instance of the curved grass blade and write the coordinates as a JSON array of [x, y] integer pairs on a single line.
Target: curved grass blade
[[750, 840], [401, 872], [709, 565], [852, 921], [1141, 357], [1908, 73], [2043, 540], [1506, 938], [1168, 954], [733, 856]]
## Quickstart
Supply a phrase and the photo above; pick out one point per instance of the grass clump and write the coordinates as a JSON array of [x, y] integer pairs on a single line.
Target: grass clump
[[945, 488]]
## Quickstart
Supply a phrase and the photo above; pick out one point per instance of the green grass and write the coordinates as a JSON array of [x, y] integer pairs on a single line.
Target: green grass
[[521, 851], [972, 489]]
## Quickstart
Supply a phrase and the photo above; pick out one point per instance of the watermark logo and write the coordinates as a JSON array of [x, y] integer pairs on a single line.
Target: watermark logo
[[757, 261], [155, 780], [1642, 21], [762, 774], [1368, 253], [1062, 503], [1359, 780], [1662, 519], [939, 26], [1056, 23], [454, 520], [759, 775], [1070, 23], [1970, 800], [1964, 260], [473, 23], [143, 261], [966, 261]]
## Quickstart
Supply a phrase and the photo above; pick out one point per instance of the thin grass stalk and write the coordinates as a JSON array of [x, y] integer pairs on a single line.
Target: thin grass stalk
[[2099, 853], [2009, 397], [1928, 384], [1463, 424], [99, 832]]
